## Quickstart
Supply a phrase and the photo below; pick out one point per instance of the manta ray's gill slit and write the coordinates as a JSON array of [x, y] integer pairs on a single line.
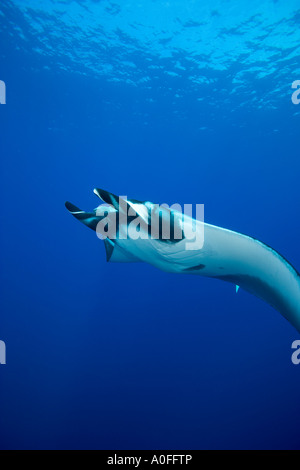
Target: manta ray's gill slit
[[195, 268]]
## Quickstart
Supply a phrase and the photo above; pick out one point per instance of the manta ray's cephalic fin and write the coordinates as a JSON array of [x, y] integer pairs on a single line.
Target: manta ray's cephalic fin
[[89, 219]]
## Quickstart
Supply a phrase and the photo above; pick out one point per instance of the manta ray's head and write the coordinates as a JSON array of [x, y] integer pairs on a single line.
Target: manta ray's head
[[92, 218], [123, 212]]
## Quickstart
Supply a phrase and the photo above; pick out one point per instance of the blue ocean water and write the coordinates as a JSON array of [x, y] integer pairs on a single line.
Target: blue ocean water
[[167, 101]]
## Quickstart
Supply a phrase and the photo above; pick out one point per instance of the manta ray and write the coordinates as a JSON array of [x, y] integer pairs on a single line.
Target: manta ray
[[218, 253]]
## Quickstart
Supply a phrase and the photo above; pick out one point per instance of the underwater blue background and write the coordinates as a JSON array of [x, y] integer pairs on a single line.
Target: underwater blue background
[[179, 101]]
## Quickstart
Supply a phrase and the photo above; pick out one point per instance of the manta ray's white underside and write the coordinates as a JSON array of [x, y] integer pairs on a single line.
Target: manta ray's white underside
[[224, 254]]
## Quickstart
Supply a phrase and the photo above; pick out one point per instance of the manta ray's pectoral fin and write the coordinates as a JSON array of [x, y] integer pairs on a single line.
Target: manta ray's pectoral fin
[[90, 219]]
